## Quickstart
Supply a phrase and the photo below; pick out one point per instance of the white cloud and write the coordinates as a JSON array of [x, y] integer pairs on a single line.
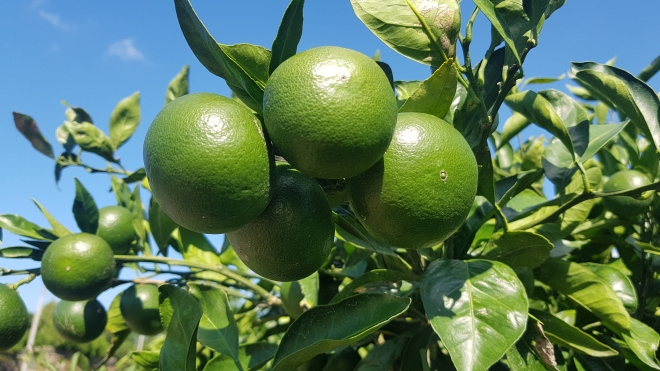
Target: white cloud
[[126, 50], [54, 19]]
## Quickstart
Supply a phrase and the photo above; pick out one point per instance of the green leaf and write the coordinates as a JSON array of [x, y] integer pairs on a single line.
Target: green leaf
[[117, 340], [518, 249], [326, 327], [288, 36], [405, 89], [178, 87], [586, 289], [251, 357], [146, 358], [643, 341], [619, 282], [416, 354], [512, 127], [623, 91], [178, 351], [382, 356], [435, 95], [477, 307], [291, 295], [217, 328], [224, 61], [91, 139], [16, 224], [124, 119], [348, 229], [59, 229], [76, 114], [424, 31], [21, 252], [28, 127], [196, 247], [84, 209], [135, 176], [161, 226], [122, 193], [65, 138], [537, 109], [571, 337], [493, 13], [485, 183], [508, 188], [525, 355], [116, 323], [374, 276], [650, 70]]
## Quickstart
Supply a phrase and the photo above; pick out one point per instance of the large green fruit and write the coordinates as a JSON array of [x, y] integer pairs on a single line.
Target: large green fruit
[[139, 308], [423, 188], [292, 238], [626, 206], [330, 112], [116, 228], [78, 266], [208, 163], [80, 321], [14, 319]]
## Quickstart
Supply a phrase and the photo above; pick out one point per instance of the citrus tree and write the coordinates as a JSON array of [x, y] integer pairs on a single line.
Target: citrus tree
[[370, 223]]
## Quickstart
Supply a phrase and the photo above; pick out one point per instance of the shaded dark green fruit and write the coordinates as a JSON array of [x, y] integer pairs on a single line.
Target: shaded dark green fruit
[[14, 319], [139, 307], [292, 238], [116, 228], [626, 206], [80, 321]]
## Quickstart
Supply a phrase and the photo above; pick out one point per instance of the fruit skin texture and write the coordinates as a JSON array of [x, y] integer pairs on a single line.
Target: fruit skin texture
[[80, 321], [78, 266], [330, 112], [208, 163], [292, 238], [14, 319], [625, 206], [423, 188], [139, 307], [116, 228]]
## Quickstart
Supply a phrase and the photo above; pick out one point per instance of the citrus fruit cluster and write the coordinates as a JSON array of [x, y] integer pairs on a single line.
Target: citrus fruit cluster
[[331, 114]]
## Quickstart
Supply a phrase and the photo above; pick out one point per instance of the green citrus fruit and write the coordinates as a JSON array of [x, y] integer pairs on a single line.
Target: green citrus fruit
[[80, 321], [423, 188], [626, 206], [139, 307], [78, 266], [14, 319], [330, 112], [116, 228], [292, 238], [208, 163]]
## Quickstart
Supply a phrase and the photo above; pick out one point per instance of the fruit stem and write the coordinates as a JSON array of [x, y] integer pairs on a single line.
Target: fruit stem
[[465, 45], [23, 281], [588, 196], [583, 173], [236, 276]]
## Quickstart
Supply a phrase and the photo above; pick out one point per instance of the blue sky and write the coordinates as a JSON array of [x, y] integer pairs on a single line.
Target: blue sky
[[93, 54]]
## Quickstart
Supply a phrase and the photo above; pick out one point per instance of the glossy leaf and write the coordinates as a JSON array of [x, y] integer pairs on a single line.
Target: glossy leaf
[[251, 357], [382, 356], [518, 249], [76, 114], [571, 337], [586, 289], [477, 307], [179, 86], [182, 318], [376, 275], [20, 252], [347, 228], [122, 193], [415, 356], [619, 282], [496, 18], [28, 127], [507, 188], [161, 225], [136, 176], [435, 95], [288, 36], [416, 29], [58, 228], [124, 119], [65, 138], [91, 139], [291, 296], [485, 180], [628, 94], [525, 354], [326, 327], [217, 328], [116, 322], [537, 109], [405, 89], [643, 341], [512, 127], [221, 60], [84, 209], [16, 224]]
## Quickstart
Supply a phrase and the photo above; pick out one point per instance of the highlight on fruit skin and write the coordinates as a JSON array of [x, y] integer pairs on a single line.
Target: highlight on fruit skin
[[208, 162], [292, 238], [80, 321], [330, 112], [422, 189], [627, 206], [14, 318], [116, 228]]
